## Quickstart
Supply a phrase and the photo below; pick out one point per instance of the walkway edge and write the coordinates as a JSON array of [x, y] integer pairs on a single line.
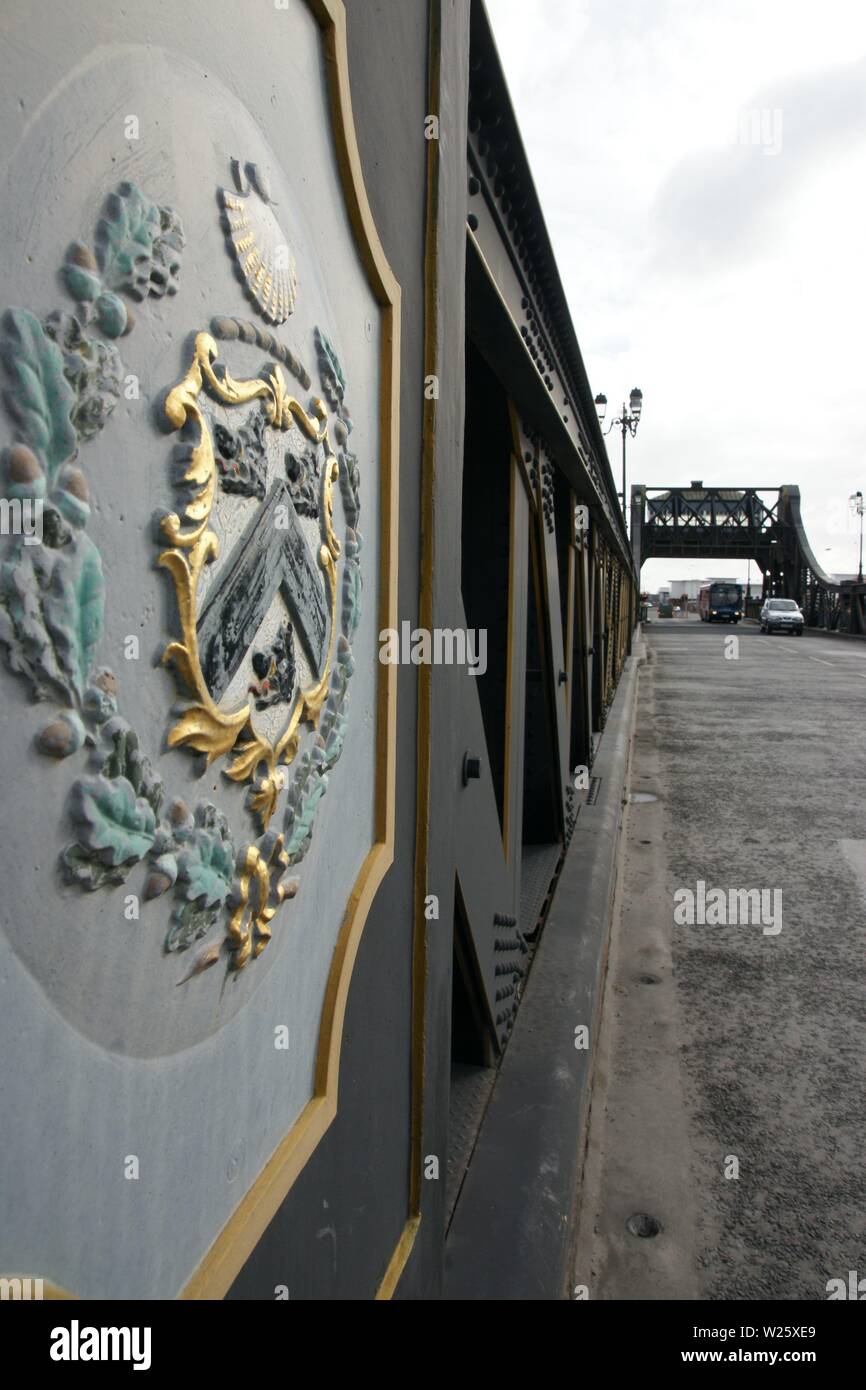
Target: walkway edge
[[512, 1234]]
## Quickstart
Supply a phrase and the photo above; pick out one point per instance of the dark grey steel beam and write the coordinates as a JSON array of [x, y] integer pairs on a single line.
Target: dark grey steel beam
[[491, 285]]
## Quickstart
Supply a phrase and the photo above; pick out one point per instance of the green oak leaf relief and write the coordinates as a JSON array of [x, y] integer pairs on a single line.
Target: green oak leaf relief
[[350, 486], [75, 606], [38, 396], [92, 368], [308, 788], [188, 924], [352, 588], [330, 370], [30, 650], [139, 244], [114, 825], [335, 719], [81, 868], [206, 861], [121, 757], [52, 606]]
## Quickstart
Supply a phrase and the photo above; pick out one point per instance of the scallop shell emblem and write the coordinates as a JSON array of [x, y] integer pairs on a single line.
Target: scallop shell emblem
[[260, 247]]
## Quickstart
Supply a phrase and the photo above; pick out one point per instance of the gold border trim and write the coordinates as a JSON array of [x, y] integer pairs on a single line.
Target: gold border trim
[[244, 1228], [425, 620], [398, 1261]]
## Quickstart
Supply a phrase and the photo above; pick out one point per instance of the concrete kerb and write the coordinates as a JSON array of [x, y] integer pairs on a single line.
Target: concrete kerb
[[512, 1233]]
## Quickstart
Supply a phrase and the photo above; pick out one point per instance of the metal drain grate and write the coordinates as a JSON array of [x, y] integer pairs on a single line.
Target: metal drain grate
[[594, 788], [471, 1088], [538, 865]]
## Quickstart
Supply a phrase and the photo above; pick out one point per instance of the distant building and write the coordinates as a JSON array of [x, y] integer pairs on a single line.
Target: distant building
[[686, 588], [691, 588]]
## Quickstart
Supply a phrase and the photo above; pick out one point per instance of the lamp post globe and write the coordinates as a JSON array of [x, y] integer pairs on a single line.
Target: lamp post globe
[[627, 422]]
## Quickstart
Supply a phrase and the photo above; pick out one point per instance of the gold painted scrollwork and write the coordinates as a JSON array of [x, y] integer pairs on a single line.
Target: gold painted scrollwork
[[249, 929], [203, 725]]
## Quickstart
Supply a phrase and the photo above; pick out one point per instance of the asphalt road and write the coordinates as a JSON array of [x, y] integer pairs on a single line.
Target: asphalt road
[[726, 1042]]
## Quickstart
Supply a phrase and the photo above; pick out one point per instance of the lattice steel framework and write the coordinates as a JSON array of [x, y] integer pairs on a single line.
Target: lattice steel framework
[[760, 524], [617, 618]]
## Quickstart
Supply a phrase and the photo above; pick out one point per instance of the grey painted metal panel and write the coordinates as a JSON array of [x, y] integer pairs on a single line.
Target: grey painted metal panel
[[512, 1231], [214, 83]]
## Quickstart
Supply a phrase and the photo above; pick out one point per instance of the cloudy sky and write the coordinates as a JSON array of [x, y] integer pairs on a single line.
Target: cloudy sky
[[702, 165]]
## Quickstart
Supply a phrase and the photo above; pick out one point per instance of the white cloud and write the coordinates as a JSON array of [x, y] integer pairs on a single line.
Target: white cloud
[[728, 283]]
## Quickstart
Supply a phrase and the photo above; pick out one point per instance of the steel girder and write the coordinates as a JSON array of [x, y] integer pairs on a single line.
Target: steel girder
[[750, 523]]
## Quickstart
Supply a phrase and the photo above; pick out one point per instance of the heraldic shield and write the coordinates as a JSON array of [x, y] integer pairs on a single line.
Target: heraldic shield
[[208, 419]]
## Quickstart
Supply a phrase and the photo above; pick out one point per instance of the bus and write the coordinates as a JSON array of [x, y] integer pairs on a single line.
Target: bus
[[721, 603]]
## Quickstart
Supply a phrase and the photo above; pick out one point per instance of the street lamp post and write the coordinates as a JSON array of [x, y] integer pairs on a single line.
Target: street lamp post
[[858, 507], [627, 421], [773, 576]]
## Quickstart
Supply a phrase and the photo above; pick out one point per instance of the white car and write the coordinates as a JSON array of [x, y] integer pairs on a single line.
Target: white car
[[782, 615]]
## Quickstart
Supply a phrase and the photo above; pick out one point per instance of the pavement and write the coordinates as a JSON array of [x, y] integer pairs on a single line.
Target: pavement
[[728, 1110]]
